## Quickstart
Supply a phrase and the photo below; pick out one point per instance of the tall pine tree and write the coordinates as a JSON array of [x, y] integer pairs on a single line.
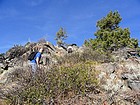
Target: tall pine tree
[[60, 37], [110, 35]]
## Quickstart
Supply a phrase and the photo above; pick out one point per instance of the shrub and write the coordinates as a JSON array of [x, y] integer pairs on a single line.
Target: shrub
[[52, 85], [87, 55]]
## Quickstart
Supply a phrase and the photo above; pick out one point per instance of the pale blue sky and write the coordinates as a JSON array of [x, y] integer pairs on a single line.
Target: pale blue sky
[[36, 19]]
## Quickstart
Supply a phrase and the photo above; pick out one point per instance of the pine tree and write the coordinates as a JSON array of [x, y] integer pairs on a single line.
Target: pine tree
[[110, 35], [60, 37]]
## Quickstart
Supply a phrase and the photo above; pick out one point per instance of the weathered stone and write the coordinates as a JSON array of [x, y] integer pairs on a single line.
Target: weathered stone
[[4, 75], [134, 85], [116, 78]]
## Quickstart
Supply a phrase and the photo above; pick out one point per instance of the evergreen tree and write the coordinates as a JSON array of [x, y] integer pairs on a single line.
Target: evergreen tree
[[60, 37], [110, 35]]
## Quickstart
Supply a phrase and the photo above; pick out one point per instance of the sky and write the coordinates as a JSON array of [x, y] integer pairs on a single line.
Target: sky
[[31, 20]]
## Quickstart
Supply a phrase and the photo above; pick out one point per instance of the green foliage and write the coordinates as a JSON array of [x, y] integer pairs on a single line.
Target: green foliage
[[61, 36], [134, 43], [110, 22], [2, 54], [110, 36], [54, 84], [87, 55], [138, 50]]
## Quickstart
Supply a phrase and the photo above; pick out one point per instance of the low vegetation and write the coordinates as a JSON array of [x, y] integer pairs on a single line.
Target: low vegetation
[[53, 86]]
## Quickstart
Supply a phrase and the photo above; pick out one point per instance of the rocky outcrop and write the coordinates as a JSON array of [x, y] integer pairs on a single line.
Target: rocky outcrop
[[132, 74], [121, 80], [17, 55]]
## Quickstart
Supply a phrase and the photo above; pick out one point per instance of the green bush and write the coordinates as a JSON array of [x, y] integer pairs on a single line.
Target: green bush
[[55, 84], [87, 55]]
